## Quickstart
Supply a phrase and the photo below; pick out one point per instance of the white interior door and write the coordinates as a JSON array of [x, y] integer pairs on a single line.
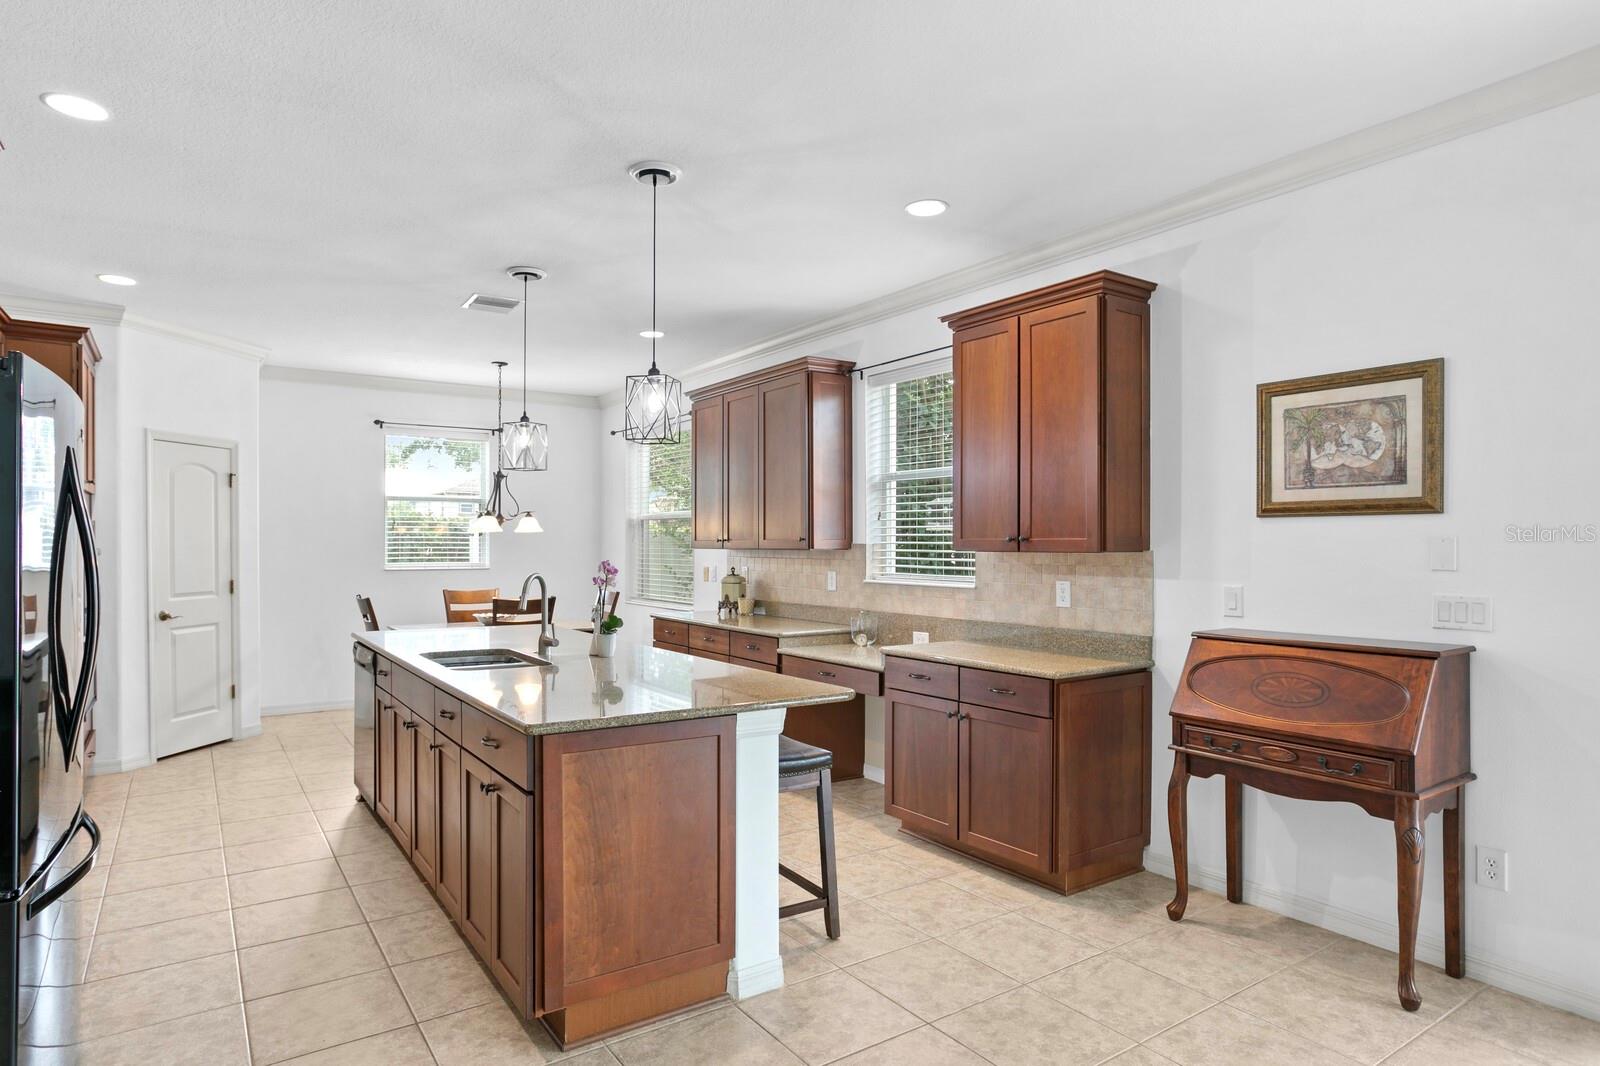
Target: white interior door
[[191, 572]]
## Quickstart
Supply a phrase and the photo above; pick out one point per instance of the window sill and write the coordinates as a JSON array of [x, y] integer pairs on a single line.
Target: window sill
[[922, 582], [660, 605], [447, 566]]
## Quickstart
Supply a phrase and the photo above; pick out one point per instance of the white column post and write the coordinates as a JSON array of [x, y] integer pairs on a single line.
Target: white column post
[[757, 964]]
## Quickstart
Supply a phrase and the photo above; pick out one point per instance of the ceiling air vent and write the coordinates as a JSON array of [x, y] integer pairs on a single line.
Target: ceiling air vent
[[498, 304]]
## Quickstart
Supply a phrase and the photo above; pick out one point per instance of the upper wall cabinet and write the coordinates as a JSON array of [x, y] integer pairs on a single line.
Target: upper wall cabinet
[[70, 351], [1052, 418], [772, 458]]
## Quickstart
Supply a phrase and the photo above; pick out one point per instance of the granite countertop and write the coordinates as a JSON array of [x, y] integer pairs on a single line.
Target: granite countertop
[[1052, 665], [766, 625], [576, 692], [838, 655]]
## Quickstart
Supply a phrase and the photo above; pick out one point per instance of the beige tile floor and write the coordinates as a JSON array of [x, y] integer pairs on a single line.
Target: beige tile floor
[[252, 911]]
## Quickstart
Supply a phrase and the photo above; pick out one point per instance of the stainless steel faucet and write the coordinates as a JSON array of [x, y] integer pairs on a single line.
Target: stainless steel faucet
[[547, 637]]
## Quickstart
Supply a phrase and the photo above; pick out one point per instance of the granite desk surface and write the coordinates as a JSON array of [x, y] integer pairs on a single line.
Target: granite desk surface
[[1031, 662], [766, 625], [640, 684]]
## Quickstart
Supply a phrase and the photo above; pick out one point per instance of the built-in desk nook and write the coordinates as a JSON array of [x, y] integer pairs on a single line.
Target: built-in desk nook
[[1381, 724]]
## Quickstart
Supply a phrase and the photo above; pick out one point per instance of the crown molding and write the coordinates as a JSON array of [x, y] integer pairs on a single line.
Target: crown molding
[[336, 378], [62, 311], [254, 353], [1540, 89]]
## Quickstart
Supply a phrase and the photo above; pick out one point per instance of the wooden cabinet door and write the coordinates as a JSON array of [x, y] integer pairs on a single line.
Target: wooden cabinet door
[[425, 814], [510, 944], [741, 472], [707, 444], [475, 916], [1059, 479], [985, 456], [85, 387], [785, 462], [1007, 786], [405, 784], [388, 724], [447, 771], [920, 743]]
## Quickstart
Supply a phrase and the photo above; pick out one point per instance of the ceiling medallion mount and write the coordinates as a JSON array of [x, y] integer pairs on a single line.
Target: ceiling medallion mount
[[653, 407], [655, 171], [525, 444]]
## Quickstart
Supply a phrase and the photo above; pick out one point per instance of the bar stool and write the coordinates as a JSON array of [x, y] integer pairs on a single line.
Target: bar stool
[[801, 767]]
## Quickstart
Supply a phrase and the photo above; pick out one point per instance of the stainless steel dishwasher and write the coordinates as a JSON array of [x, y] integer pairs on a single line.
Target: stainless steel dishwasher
[[366, 738]]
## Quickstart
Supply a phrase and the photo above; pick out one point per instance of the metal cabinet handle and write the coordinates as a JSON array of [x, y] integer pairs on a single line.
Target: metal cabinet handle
[[489, 742], [167, 616], [448, 716], [920, 677], [1023, 540], [1354, 771], [1012, 540], [489, 788], [1003, 691], [752, 647], [433, 747], [382, 672], [949, 714], [826, 673], [408, 725], [1211, 742]]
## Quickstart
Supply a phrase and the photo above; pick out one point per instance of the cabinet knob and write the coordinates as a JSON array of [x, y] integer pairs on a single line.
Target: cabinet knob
[[408, 725], [1023, 540], [448, 716], [383, 673], [1012, 540], [489, 788], [433, 747], [950, 714]]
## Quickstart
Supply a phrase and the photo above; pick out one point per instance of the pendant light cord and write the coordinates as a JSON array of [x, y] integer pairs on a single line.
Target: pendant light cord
[[524, 347], [655, 180]]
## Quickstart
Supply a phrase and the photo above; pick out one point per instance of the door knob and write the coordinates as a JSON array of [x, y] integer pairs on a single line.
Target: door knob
[[167, 616]]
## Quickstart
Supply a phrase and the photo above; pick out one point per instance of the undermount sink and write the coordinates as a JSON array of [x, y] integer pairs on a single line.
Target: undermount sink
[[484, 659]]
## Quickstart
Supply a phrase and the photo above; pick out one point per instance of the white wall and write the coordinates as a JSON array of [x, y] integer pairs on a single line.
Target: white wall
[[322, 520], [1480, 250]]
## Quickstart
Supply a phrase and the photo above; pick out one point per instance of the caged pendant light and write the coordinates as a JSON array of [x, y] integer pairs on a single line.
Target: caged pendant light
[[493, 519], [654, 405], [524, 444]]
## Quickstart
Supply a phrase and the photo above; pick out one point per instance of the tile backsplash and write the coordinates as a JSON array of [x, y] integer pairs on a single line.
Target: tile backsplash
[[1111, 592]]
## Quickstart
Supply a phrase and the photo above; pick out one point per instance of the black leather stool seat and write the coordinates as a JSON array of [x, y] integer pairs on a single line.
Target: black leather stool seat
[[795, 758]]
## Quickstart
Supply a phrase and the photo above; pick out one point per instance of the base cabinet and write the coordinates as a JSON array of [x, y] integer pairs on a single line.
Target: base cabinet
[[452, 797], [425, 809], [1055, 786]]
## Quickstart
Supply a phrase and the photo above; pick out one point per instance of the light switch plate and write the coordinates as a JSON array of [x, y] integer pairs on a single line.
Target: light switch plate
[[1233, 601], [1442, 553], [1063, 594], [1463, 612], [918, 637], [833, 581]]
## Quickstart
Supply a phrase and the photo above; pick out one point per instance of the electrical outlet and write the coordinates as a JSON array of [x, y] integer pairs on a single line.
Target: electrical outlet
[[833, 581], [1063, 594], [1463, 612], [1493, 872], [918, 637], [1233, 601]]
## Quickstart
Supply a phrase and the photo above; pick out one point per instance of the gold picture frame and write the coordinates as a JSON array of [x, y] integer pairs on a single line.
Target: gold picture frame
[[1347, 443]]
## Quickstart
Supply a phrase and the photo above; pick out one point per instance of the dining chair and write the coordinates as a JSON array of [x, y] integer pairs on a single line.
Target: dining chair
[[505, 611], [369, 617], [463, 605]]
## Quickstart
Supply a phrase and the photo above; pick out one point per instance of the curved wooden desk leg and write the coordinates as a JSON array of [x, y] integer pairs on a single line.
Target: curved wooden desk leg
[[1408, 846], [1234, 814], [1455, 957], [1178, 822]]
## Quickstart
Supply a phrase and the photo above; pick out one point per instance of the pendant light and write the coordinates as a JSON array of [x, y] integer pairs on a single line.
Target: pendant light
[[654, 404], [525, 445], [492, 519]]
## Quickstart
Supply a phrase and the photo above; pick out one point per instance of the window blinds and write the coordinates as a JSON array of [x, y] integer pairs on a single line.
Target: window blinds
[[660, 551], [433, 487]]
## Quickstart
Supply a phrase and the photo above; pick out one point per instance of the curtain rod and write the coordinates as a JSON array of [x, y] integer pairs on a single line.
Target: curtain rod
[[380, 423]]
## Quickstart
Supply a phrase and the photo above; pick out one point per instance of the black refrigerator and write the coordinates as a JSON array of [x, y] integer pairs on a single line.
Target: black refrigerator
[[49, 607]]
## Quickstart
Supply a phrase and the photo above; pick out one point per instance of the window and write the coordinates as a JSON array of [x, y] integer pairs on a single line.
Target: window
[[660, 551], [909, 479], [433, 487]]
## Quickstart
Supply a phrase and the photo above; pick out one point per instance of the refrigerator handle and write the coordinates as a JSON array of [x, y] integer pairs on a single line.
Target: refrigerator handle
[[73, 507], [62, 887]]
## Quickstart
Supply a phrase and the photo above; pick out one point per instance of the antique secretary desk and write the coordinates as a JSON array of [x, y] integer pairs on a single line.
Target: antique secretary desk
[[1381, 724]]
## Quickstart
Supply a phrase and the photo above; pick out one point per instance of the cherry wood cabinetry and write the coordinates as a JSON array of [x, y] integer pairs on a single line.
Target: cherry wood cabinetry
[[450, 883], [425, 807], [772, 458], [1052, 418], [1050, 780], [71, 352]]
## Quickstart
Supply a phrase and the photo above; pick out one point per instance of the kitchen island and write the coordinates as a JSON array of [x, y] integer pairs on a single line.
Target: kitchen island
[[602, 832]]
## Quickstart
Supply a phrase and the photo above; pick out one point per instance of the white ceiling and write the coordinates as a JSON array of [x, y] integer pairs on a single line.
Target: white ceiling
[[330, 180]]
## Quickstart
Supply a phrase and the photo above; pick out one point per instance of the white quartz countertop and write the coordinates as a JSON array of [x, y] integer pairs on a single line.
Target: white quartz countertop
[[766, 625], [838, 655], [639, 684]]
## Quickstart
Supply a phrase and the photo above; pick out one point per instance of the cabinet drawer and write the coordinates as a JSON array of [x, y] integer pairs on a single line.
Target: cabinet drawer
[[1324, 762], [502, 747], [761, 649], [670, 631], [1009, 692], [705, 638], [447, 715], [413, 691], [705, 653], [929, 679], [751, 664], [384, 669], [863, 681]]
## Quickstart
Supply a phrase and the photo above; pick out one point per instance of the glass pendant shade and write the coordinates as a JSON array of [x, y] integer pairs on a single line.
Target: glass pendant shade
[[526, 445], [484, 523], [526, 522], [654, 408]]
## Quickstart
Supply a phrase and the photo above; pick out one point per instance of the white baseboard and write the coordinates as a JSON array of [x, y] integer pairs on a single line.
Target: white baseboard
[[116, 766], [248, 731], [1546, 988], [872, 773], [303, 708], [747, 981]]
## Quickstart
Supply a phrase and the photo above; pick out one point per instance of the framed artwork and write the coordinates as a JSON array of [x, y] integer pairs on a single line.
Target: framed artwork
[[1357, 442]]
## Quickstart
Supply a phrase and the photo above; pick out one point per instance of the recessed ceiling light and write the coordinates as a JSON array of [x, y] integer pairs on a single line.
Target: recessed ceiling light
[[651, 334], [75, 106], [926, 208], [116, 279]]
